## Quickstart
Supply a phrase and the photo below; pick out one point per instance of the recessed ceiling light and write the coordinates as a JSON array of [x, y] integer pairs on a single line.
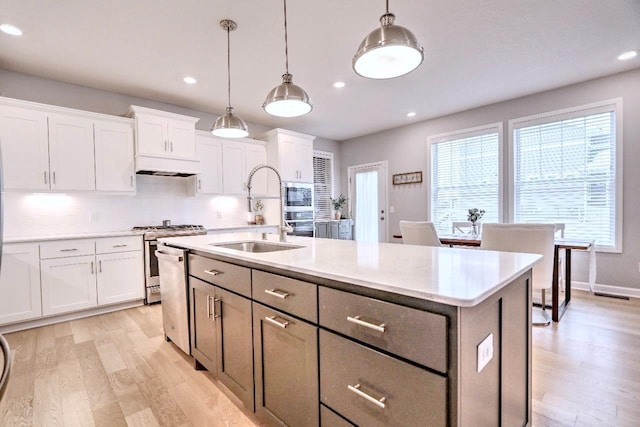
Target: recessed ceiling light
[[411, 114], [338, 84], [627, 55], [10, 29], [190, 80]]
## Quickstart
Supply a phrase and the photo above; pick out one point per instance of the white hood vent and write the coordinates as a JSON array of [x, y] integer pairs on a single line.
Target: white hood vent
[[149, 165]]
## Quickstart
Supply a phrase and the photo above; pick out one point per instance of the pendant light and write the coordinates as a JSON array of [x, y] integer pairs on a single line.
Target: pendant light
[[389, 51], [229, 125], [287, 99]]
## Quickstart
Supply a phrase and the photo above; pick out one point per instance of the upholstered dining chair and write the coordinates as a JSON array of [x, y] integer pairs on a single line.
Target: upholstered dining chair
[[6, 365], [529, 238], [419, 233]]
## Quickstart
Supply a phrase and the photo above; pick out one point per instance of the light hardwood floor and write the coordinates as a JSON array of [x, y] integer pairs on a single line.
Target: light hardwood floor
[[116, 369]]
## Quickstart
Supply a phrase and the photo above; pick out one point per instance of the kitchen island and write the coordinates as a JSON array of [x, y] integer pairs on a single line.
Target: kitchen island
[[330, 332]]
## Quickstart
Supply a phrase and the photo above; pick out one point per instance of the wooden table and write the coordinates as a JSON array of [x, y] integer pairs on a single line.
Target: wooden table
[[557, 307]]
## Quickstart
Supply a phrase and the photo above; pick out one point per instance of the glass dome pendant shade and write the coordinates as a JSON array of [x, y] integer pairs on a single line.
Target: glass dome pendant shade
[[229, 125], [389, 51], [287, 99]]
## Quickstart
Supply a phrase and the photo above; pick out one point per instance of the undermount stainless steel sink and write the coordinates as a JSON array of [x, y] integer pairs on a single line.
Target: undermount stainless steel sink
[[256, 246]]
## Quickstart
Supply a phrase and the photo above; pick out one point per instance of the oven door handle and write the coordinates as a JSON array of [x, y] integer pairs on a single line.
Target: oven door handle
[[168, 257]]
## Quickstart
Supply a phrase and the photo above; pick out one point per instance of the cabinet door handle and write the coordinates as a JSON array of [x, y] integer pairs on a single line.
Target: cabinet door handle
[[273, 321], [131, 180], [213, 272], [199, 184], [69, 250], [378, 402], [100, 266], [276, 293], [208, 306], [171, 145], [120, 246], [91, 267], [166, 143], [45, 177], [54, 177], [356, 319], [216, 313]]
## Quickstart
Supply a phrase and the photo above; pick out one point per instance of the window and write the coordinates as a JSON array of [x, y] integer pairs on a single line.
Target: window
[[465, 174], [322, 184], [565, 171]]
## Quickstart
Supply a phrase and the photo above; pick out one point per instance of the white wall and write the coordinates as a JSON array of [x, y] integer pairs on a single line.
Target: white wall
[[158, 198], [405, 149]]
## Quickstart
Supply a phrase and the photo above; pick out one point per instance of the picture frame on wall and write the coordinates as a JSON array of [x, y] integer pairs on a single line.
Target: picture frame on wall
[[407, 178]]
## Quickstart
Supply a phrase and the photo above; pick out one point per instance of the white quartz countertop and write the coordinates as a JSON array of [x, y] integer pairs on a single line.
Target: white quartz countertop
[[454, 276], [88, 235]]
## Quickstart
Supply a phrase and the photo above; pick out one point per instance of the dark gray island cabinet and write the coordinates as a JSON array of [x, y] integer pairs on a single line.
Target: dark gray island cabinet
[[304, 350]]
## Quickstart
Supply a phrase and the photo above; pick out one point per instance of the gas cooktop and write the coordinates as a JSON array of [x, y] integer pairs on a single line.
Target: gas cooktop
[[155, 231]]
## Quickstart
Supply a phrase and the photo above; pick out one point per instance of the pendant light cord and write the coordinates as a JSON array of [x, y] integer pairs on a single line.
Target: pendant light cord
[[387, 7], [228, 68], [286, 45]]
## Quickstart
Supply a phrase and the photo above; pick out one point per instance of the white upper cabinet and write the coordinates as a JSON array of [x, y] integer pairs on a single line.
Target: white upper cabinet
[[25, 148], [53, 148], [239, 157], [115, 169], [163, 134], [71, 153], [292, 153], [209, 152]]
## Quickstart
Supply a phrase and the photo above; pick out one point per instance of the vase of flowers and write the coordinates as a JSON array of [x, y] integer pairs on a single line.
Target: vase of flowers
[[474, 216], [258, 208], [338, 203]]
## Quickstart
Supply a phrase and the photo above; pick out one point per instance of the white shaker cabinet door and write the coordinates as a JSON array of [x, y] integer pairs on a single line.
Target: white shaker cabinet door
[[20, 283], [25, 149], [182, 139], [152, 137], [120, 277], [114, 157], [71, 153], [288, 158], [257, 155], [209, 150], [68, 284], [305, 160], [233, 170]]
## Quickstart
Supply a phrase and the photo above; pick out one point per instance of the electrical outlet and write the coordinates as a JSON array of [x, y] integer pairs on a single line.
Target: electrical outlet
[[485, 352], [219, 214]]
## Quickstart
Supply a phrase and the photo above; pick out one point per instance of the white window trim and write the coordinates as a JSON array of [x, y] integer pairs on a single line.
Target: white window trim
[[328, 155], [464, 133], [564, 114]]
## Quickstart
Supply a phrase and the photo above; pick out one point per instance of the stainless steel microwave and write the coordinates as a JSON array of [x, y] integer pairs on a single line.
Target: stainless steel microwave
[[298, 196]]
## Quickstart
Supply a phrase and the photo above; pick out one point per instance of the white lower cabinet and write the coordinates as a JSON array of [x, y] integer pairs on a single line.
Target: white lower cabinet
[[20, 283], [119, 277], [63, 276], [68, 284]]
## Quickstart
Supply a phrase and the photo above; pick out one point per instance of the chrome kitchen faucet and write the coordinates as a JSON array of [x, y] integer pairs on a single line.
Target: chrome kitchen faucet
[[284, 226]]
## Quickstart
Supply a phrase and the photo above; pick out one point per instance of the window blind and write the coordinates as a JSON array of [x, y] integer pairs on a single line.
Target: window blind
[[565, 172], [465, 174], [322, 184]]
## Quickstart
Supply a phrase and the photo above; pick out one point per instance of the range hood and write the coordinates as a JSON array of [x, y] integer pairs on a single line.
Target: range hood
[[161, 166]]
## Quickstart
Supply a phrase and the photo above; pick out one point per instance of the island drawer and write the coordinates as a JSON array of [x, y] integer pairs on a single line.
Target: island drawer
[[107, 245], [414, 334], [66, 248], [372, 389], [229, 276], [289, 295]]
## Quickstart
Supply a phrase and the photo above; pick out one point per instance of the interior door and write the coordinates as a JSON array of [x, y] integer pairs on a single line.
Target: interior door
[[368, 201]]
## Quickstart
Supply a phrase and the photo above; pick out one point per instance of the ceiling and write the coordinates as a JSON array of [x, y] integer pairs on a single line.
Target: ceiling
[[476, 53]]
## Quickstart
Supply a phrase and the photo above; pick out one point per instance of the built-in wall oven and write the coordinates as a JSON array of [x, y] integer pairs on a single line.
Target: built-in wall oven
[[301, 222], [298, 196], [151, 236]]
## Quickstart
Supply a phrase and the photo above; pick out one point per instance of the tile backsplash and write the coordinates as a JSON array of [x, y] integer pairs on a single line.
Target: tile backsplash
[[158, 198]]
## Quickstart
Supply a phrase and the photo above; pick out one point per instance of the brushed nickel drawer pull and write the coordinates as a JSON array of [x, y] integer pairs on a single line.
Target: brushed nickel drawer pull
[[120, 246], [276, 293], [272, 320], [208, 306], [213, 272], [377, 402], [356, 319], [216, 313], [68, 250]]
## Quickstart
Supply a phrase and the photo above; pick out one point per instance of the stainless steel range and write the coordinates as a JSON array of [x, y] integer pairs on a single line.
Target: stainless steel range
[[151, 235]]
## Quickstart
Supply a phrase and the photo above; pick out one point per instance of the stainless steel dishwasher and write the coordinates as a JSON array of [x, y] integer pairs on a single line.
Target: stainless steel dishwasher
[[173, 287]]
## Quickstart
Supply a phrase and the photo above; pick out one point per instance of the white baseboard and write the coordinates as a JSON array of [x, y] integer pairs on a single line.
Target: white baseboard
[[43, 321], [607, 289]]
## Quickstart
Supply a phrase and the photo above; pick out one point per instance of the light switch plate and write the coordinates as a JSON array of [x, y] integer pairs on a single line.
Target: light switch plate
[[485, 352]]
